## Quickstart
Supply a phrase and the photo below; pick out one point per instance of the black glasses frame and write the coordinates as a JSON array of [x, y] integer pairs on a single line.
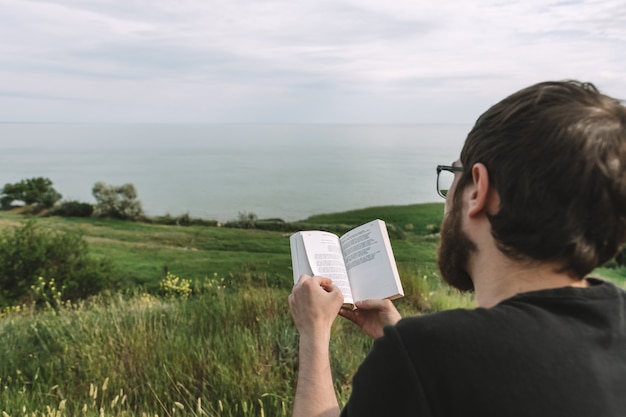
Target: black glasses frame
[[449, 168]]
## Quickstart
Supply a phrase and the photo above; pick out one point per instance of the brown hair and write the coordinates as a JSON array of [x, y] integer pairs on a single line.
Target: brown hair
[[556, 154]]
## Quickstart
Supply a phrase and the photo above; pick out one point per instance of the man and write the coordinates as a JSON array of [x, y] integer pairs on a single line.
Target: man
[[537, 202]]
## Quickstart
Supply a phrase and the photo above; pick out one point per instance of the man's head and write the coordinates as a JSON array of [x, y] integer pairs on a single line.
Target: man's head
[[555, 153]]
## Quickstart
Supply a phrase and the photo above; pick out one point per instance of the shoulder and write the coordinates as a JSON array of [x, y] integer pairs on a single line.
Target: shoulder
[[529, 340], [386, 382], [540, 315], [457, 324]]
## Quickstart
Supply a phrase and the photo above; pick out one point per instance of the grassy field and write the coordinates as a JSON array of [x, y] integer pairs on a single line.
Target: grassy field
[[223, 344], [142, 252]]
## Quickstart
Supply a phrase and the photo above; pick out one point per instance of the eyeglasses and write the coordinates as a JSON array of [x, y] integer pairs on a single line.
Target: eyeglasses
[[445, 178]]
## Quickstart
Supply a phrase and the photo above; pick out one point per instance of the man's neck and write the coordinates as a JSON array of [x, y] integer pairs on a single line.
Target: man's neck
[[497, 278]]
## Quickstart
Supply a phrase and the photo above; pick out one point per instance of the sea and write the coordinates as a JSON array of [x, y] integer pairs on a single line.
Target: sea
[[218, 172]]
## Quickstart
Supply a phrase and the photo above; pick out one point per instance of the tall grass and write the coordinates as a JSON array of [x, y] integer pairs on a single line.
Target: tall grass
[[227, 350], [220, 347]]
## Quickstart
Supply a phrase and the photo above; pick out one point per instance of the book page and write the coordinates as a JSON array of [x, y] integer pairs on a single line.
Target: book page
[[299, 261], [325, 259], [370, 262]]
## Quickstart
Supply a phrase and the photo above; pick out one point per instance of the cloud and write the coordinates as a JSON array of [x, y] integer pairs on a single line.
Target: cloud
[[308, 61]]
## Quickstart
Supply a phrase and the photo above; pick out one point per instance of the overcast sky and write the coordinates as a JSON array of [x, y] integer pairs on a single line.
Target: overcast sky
[[290, 61]]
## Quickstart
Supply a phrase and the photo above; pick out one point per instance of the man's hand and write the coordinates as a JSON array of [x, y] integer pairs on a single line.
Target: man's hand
[[314, 304], [372, 316]]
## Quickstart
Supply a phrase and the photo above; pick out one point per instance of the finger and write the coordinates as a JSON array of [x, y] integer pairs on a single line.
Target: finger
[[374, 304], [334, 291], [303, 278], [313, 282], [323, 281], [348, 314]]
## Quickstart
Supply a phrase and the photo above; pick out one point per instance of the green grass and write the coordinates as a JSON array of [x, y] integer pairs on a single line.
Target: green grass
[[143, 252], [616, 275], [419, 215]]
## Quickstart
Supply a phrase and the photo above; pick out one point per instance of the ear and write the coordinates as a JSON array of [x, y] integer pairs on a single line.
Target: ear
[[483, 197]]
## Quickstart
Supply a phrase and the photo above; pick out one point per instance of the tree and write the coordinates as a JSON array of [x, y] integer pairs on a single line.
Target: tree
[[247, 220], [33, 191], [119, 202]]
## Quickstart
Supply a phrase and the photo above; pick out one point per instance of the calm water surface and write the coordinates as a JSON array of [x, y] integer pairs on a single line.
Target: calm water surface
[[217, 171]]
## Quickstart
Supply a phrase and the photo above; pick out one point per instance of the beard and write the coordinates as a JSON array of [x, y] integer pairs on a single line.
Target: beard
[[455, 249]]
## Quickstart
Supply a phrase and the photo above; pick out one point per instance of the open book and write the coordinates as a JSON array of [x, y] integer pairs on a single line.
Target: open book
[[360, 263]]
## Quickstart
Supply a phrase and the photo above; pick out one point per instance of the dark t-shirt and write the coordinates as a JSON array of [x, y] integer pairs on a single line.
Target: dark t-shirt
[[558, 352]]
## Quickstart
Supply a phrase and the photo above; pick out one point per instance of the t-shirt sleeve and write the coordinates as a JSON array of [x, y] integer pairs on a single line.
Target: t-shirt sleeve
[[386, 382]]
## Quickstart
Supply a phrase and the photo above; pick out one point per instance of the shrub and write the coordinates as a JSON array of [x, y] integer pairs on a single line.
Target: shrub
[[29, 252], [31, 191], [182, 220], [173, 286], [244, 221], [433, 228], [74, 209], [119, 202], [395, 232]]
